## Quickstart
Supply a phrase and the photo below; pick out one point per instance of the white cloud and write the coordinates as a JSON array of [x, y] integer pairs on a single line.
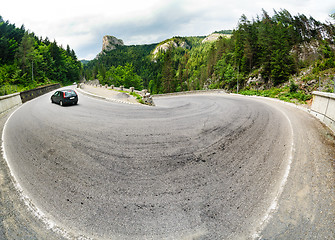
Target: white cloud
[[82, 24]]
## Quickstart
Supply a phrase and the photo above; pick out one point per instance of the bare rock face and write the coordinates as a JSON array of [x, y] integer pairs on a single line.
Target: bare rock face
[[307, 51], [164, 47], [215, 36], [109, 43], [173, 43]]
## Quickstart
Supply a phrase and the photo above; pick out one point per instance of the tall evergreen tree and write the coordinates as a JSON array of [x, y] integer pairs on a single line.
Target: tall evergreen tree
[[25, 53], [168, 73]]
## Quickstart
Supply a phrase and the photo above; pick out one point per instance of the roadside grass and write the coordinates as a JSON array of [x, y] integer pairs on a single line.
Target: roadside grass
[[286, 94]]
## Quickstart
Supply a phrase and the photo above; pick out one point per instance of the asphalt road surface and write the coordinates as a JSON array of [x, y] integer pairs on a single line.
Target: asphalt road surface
[[193, 167]]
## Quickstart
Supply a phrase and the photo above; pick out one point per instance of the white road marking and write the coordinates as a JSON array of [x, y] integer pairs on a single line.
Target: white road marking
[[274, 204], [49, 224]]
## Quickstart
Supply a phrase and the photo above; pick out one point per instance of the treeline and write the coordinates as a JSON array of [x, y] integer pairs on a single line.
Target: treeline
[[266, 43], [27, 61], [267, 46]]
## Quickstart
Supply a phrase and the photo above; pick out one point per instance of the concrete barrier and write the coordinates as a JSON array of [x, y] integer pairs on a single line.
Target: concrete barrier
[[33, 93], [9, 101], [323, 107]]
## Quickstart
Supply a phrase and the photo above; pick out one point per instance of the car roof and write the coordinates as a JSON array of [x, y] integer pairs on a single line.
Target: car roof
[[67, 90]]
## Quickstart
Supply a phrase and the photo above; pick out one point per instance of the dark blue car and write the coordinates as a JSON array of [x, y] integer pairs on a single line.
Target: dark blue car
[[65, 97]]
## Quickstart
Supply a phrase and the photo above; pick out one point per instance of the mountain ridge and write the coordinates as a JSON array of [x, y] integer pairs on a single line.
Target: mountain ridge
[[110, 43]]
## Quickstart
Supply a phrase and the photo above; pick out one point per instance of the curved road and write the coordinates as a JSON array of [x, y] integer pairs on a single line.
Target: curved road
[[193, 167]]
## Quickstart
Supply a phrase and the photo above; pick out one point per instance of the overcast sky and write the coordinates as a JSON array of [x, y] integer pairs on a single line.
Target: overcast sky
[[82, 24]]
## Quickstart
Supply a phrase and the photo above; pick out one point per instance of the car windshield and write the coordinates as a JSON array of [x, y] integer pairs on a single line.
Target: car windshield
[[70, 94]]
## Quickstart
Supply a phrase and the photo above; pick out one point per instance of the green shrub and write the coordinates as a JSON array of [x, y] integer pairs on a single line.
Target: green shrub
[[283, 94], [293, 87], [8, 89]]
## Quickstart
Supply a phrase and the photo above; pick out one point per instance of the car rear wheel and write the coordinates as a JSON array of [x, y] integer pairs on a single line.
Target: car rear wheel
[[61, 102]]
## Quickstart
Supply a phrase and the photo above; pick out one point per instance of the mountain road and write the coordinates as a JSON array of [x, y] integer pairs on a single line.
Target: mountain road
[[209, 166]]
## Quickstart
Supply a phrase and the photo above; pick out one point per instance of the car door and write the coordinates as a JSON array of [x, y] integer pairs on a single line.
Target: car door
[[57, 97]]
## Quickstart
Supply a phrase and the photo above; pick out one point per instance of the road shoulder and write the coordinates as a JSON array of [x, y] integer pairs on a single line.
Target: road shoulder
[[306, 208], [16, 221]]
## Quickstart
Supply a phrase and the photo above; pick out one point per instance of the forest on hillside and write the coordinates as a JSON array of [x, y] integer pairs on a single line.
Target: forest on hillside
[[123, 64], [269, 47], [27, 61]]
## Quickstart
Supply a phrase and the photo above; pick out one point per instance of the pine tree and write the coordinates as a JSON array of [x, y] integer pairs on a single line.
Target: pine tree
[[168, 73], [25, 53]]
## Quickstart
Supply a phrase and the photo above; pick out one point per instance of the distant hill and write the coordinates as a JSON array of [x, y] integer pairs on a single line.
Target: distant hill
[[84, 62]]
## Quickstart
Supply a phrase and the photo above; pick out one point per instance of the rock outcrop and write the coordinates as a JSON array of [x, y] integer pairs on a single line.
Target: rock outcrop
[[110, 42], [215, 36], [172, 43], [307, 51]]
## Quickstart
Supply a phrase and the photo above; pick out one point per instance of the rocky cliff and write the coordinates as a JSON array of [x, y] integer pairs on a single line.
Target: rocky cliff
[[171, 43], [110, 42], [215, 36]]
